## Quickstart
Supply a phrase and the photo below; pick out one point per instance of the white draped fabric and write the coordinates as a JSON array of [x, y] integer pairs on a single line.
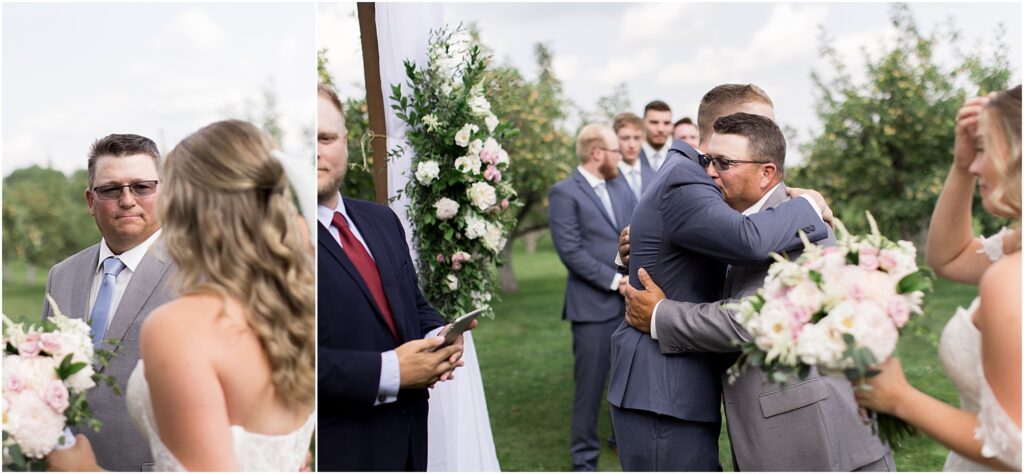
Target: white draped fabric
[[459, 429]]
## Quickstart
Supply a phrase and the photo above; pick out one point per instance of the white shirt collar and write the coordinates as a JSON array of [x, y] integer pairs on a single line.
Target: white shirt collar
[[325, 214], [662, 153], [132, 257], [626, 168], [760, 204], [591, 179]]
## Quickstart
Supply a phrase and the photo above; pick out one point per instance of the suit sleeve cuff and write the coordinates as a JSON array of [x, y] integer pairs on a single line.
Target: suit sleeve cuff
[[654, 321], [615, 282], [390, 378], [814, 205], [434, 332]]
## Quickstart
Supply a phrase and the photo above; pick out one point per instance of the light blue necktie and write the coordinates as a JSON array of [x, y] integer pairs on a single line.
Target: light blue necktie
[[602, 194], [112, 266]]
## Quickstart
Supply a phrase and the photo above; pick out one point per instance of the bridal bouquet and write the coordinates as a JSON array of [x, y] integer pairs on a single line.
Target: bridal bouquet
[[460, 194], [47, 372], [839, 309]]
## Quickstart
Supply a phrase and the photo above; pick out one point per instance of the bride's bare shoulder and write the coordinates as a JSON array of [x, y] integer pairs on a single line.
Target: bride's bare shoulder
[[191, 321]]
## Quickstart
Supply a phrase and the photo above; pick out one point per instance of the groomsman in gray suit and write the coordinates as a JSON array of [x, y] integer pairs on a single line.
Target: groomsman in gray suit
[[629, 129], [812, 425], [586, 212], [116, 283], [665, 408], [658, 126]]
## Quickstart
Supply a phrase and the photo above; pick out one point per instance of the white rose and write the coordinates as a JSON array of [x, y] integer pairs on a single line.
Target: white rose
[[464, 133], [446, 208], [468, 164], [493, 239], [427, 172], [479, 106], [482, 195], [502, 157], [821, 345], [475, 147], [773, 332], [475, 226], [453, 282], [492, 122]]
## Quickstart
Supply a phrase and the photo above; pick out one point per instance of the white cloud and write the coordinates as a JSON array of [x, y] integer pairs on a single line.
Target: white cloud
[[338, 31], [655, 22], [195, 28], [566, 67], [790, 32]]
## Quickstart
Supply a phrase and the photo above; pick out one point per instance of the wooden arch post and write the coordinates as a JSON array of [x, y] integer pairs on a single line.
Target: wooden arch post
[[374, 98]]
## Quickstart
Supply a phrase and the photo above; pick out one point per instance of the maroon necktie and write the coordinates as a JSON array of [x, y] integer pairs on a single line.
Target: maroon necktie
[[366, 268]]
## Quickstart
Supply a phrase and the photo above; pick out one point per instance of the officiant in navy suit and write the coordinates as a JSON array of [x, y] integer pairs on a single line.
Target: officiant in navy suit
[[586, 212], [376, 333]]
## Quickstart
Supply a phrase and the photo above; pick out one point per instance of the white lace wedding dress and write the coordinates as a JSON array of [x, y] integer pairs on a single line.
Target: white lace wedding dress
[[960, 352], [253, 451]]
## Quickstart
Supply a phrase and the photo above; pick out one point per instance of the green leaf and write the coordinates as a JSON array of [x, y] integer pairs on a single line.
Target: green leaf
[[917, 281]]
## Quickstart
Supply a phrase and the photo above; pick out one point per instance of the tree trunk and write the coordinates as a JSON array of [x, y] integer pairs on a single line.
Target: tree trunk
[[530, 241], [508, 276], [30, 273]]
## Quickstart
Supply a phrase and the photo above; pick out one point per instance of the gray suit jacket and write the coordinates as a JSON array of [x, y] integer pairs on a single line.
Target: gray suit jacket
[[681, 232], [587, 240], [812, 425], [118, 445]]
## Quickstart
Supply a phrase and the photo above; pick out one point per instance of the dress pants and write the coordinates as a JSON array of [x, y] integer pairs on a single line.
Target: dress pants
[[652, 442], [591, 347]]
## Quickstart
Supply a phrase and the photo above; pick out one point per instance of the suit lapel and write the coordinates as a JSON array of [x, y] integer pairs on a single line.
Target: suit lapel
[[145, 281], [80, 291], [621, 197], [589, 192]]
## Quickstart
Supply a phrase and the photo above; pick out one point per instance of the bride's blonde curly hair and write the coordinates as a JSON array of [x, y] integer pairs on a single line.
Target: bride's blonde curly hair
[[1001, 119], [231, 226]]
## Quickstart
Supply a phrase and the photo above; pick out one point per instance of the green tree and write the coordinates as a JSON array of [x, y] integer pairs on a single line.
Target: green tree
[[543, 150], [45, 217], [359, 182], [886, 142]]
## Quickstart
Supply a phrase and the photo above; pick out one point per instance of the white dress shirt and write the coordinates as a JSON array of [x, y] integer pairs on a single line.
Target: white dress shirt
[[390, 370], [633, 175], [131, 259], [656, 157]]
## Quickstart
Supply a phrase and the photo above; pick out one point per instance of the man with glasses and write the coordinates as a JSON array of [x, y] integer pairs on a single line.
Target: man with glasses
[[665, 408], [116, 283], [586, 212]]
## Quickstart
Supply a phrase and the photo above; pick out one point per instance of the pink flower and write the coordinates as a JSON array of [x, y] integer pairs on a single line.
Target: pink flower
[[489, 156], [440, 258], [899, 310], [458, 258], [50, 342], [868, 258], [56, 395], [14, 383], [504, 203], [492, 173], [29, 348], [887, 260]]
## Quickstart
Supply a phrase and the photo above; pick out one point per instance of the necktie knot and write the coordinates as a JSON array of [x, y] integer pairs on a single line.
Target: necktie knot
[[339, 221], [113, 266]]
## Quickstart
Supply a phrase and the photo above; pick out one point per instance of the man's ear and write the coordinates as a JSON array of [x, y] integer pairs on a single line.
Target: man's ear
[[768, 173], [89, 201]]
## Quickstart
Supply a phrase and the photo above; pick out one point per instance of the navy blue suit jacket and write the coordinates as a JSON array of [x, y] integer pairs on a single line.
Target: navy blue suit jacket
[[587, 241], [683, 233], [354, 434]]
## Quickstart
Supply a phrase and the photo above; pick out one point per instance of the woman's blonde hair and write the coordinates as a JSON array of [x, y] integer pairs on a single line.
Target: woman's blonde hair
[[230, 225]]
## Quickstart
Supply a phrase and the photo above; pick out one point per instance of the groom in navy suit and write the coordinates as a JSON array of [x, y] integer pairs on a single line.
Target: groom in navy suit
[[587, 211], [377, 335]]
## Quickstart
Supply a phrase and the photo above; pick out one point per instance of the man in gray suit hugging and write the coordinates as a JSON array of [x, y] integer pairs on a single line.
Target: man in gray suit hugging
[[116, 283], [586, 212], [813, 424]]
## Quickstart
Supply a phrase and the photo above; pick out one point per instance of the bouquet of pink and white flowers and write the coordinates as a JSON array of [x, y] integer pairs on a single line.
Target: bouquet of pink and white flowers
[[839, 309], [47, 370]]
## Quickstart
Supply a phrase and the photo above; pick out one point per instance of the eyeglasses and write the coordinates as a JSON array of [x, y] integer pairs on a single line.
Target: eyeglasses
[[113, 192], [723, 164], [610, 150]]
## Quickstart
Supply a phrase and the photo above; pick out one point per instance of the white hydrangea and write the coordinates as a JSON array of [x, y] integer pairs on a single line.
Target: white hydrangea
[[492, 122], [469, 164], [482, 195], [427, 172], [475, 226], [463, 135], [33, 423], [493, 239], [446, 208], [479, 106]]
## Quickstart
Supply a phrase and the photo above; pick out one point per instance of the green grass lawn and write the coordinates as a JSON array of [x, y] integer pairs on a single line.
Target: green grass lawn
[[22, 297], [526, 357]]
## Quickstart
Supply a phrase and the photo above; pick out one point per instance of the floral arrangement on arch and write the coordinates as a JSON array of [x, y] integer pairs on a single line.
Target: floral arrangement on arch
[[460, 195]]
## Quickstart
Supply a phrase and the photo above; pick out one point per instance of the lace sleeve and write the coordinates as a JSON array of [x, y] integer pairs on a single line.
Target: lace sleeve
[[992, 247], [1000, 437]]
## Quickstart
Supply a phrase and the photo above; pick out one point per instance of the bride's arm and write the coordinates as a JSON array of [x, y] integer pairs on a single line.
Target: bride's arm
[[188, 401], [952, 250]]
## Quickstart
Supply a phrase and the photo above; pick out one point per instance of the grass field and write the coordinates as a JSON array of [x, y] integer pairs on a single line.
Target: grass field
[[526, 357]]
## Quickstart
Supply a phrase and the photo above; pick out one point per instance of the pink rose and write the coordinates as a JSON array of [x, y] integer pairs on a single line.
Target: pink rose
[[29, 348], [14, 383], [868, 258], [458, 258], [440, 258], [489, 156], [899, 310], [887, 260], [492, 174], [504, 203], [56, 395], [50, 342]]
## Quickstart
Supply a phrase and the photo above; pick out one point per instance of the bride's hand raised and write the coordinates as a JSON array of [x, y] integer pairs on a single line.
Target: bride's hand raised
[[965, 146], [77, 458]]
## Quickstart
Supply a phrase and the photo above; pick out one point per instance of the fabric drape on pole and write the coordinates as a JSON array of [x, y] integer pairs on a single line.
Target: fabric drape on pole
[[458, 426]]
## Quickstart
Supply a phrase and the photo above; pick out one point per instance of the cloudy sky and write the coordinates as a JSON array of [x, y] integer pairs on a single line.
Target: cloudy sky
[[677, 52], [76, 72]]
